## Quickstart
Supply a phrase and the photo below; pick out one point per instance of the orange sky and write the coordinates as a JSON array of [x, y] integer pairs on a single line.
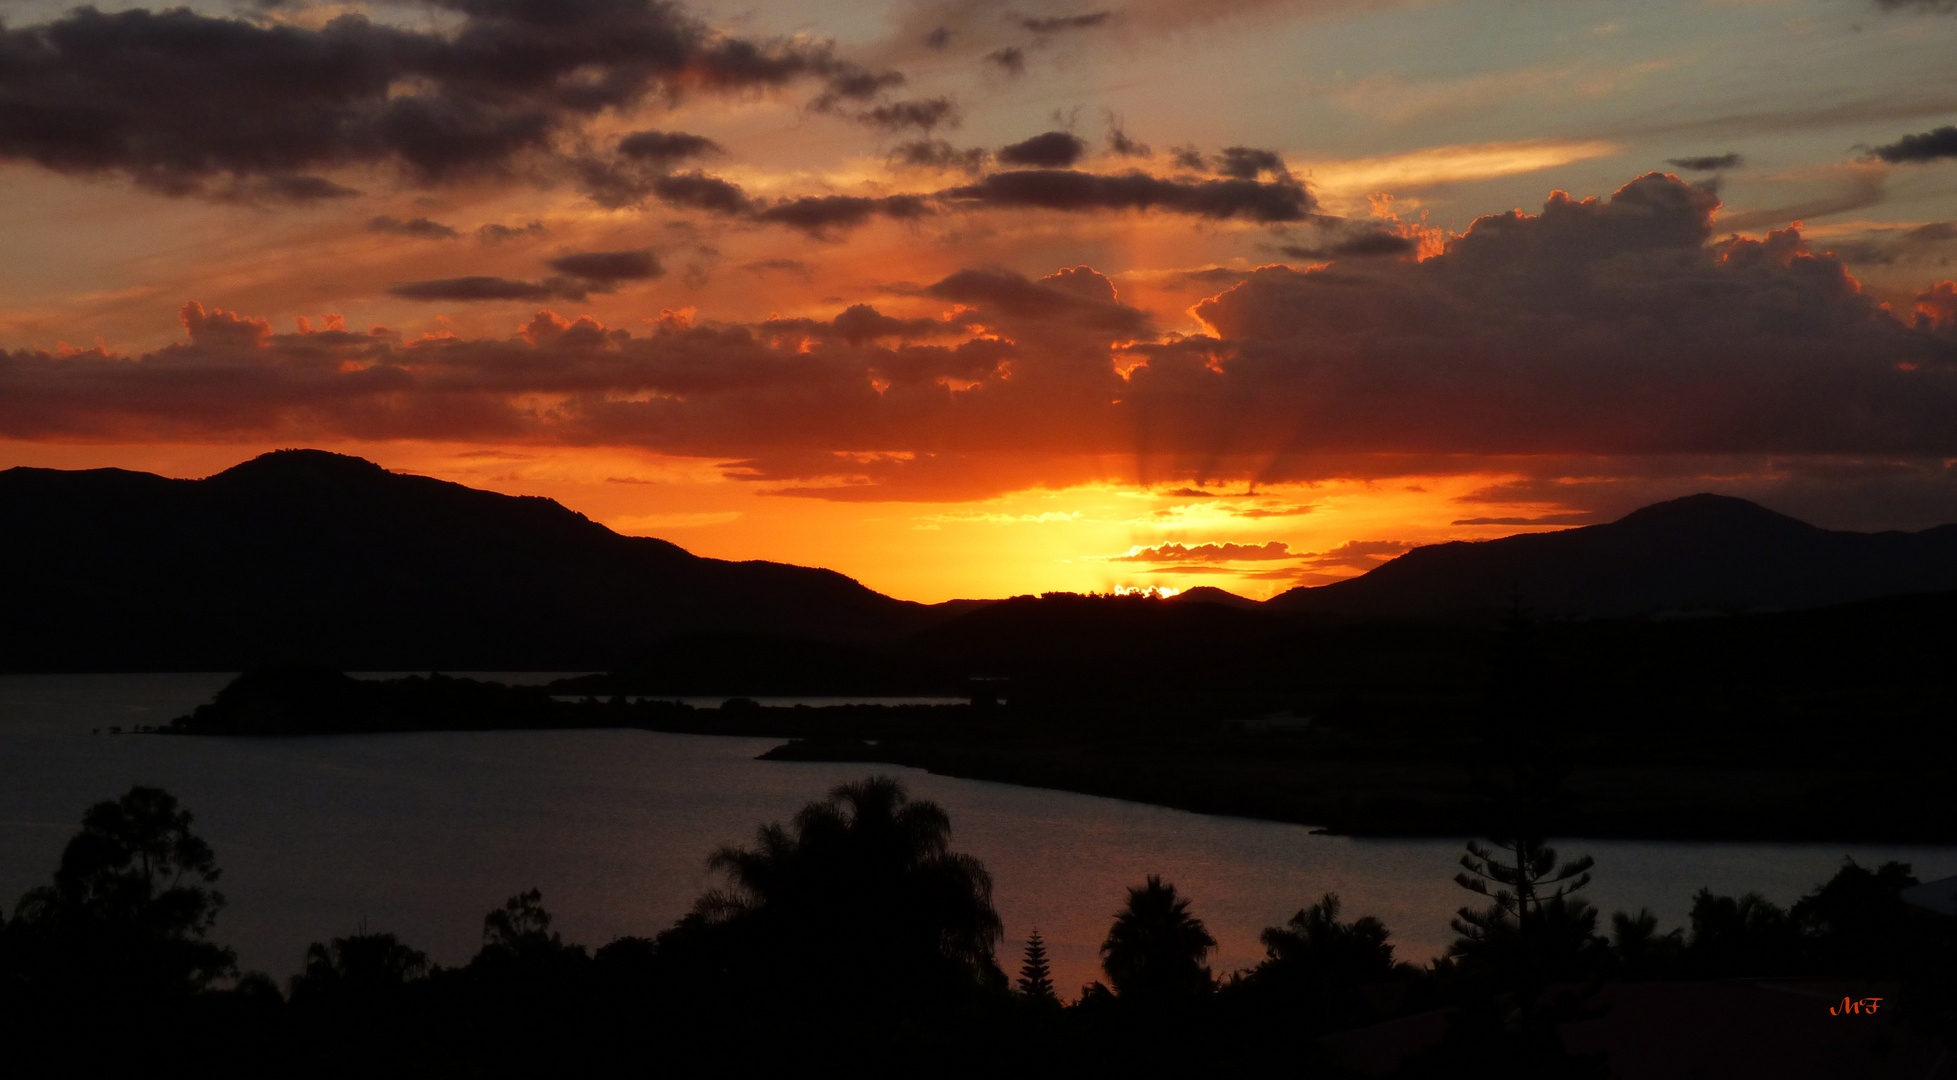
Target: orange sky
[[1251, 295]]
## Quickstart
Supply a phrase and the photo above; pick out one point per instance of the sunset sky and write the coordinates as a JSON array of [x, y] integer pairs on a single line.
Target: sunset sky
[[977, 298]]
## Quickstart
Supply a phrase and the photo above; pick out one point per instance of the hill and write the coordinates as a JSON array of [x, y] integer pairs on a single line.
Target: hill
[[1702, 553], [303, 556]]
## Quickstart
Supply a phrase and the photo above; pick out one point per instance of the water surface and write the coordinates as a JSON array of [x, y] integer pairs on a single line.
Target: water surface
[[421, 834]]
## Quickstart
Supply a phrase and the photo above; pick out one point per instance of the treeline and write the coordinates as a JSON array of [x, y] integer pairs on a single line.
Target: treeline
[[853, 937]]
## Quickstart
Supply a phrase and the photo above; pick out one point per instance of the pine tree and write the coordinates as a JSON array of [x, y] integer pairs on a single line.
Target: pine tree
[[1035, 978]]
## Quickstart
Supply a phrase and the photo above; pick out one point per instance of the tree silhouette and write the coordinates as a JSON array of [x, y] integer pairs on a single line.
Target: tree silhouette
[[1035, 978], [1640, 951], [132, 900], [361, 966], [1535, 929], [1156, 949], [862, 887]]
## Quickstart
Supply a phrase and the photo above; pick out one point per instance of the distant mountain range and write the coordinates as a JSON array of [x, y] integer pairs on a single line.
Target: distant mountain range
[[1702, 553], [307, 556], [303, 556]]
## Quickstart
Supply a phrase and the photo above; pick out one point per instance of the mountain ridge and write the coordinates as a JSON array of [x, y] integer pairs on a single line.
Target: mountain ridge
[[1699, 553], [307, 556]]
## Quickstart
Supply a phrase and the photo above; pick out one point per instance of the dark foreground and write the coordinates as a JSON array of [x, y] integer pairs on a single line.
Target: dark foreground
[[853, 938]]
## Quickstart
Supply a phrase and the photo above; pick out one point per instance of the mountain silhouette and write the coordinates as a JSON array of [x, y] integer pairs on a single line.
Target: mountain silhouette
[[303, 556], [1701, 553]]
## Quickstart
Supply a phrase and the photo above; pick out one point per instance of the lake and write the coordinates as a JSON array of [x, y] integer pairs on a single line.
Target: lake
[[422, 834]]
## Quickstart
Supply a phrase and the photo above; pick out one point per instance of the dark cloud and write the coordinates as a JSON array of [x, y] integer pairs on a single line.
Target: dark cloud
[[861, 322], [857, 84], [1120, 145], [1917, 5], [1048, 150], [494, 233], [1011, 59], [175, 99], [1066, 22], [1208, 553], [608, 266], [938, 38], [578, 275], [665, 149], [420, 228], [818, 214], [1247, 163], [698, 191], [1371, 243], [1710, 163], [924, 114], [1066, 189], [1188, 157], [1078, 296], [1912, 149], [480, 288], [938, 154]]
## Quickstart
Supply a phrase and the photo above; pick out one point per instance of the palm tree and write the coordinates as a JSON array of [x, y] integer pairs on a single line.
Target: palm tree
[[1156, 950], [862, 886]]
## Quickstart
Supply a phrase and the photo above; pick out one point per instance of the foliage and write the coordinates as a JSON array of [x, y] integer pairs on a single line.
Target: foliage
[[1156, 950], [131, 902], [1035, 977], [356, 967], [861, 891]]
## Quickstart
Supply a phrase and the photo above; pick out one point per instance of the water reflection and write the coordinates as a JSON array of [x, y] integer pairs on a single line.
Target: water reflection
[[419, 834]]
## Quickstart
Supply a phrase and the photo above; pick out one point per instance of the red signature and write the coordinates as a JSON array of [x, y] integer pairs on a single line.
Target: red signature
[[1855, 1005]]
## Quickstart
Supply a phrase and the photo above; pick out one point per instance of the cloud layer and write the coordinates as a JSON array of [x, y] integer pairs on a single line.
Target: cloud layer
[[1599, 327], [176, 99]]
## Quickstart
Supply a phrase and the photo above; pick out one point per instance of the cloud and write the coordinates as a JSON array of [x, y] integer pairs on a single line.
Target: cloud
[[1050, 150], [818, 214], [1072, 190], [666, 148], [474, 288], [1452, 164], [1709, 163], [1120, 145], [578, 276], [1370, 243], [1011, 59], [1066, 22], [1359, 554], [1917, 5], [176, 100], [493, 233], [1248, 163], [784, 266], [1913, 149], [698, 191], [1932, 243], [420, 228], [608, 266], [1857, 190], [923, 115], [1592, 335], [1206, 553], [938, 154]]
